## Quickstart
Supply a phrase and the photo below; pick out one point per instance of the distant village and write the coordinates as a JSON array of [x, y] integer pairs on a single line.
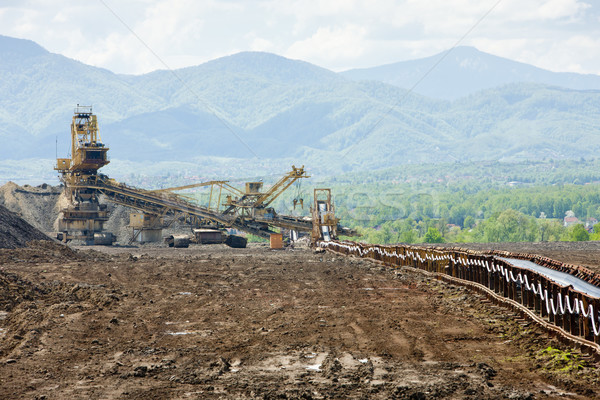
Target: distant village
[[570, 219]]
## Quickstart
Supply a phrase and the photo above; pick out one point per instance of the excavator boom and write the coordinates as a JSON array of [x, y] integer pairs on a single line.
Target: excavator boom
[[280, 187]]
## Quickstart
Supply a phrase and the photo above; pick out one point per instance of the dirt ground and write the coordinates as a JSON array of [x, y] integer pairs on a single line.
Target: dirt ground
[[214, 322]]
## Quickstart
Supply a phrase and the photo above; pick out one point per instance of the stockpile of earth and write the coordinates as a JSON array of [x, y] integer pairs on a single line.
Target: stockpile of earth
[[41, 206], [38, 205], [16, 232]]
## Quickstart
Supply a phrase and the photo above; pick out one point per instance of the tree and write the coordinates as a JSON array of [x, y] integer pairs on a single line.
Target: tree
[[469, 222], [549, 230], [579, 234], [409, 236], [433, 236]]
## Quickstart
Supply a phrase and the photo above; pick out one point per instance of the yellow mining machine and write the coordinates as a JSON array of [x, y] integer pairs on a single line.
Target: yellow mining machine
[[251, 207], [84, 218], [248, 210]]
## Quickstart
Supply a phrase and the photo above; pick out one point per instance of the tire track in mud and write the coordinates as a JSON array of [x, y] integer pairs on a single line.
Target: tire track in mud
[[211, 322]]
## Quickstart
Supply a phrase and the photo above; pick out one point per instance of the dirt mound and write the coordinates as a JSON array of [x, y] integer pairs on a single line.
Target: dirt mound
[[16, 232], [37, 205], [13, 290], [42, 251]]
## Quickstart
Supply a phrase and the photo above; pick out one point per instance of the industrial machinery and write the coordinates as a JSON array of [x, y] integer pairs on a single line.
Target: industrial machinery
[[248, 210], [251, 207], [84, 218], [323, 216]]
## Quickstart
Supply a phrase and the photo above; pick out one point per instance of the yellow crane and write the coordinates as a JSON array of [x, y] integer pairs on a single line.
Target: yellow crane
[[255, 203]]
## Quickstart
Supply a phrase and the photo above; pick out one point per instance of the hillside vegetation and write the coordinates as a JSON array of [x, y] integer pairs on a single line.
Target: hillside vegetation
[[259, 106]]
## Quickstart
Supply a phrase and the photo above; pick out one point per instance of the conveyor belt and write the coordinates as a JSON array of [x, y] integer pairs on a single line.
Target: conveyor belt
[[561, 278], [560, 302], [163, 204]]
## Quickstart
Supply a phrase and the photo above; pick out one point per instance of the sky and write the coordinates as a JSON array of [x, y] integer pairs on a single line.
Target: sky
[[139, 36]]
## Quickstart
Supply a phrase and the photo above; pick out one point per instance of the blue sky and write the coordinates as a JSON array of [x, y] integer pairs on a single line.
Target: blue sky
[[139, 36]]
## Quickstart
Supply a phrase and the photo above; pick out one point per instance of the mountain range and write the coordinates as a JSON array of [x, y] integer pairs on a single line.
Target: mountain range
[[464, 105], [461, 71]]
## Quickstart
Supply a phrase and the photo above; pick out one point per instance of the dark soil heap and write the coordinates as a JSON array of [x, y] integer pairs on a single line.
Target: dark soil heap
[[15, 232]]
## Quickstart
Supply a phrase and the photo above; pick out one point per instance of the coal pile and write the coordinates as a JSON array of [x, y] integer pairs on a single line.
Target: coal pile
[[16, 232]]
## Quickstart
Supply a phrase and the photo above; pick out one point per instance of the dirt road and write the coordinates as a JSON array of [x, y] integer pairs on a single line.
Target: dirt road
[[214, 322]]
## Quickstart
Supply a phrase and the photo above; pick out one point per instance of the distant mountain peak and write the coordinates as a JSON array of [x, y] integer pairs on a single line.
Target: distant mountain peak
[[283, 109], [20, 47], [465, 70], [271, 66], [466, 50], [261, 57]]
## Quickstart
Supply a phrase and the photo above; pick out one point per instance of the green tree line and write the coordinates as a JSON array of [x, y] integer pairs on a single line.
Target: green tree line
[[461, 214]]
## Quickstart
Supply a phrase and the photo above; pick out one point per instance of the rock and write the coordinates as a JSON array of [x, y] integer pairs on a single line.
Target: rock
[[140, 371]]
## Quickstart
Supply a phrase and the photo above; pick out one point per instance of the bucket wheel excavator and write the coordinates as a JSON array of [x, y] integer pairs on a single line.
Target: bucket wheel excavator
[[246, 210]]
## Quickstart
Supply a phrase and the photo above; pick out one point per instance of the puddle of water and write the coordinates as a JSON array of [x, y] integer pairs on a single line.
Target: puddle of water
[[316, 367], [187, 332]]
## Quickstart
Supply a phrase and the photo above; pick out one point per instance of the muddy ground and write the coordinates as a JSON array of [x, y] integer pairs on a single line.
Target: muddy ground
[[214, 322]]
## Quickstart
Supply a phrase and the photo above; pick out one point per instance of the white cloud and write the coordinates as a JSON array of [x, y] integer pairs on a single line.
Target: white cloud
[[60, 18], [330, 46], [555, 9], [260, 44], [542, 10], [336, 34]]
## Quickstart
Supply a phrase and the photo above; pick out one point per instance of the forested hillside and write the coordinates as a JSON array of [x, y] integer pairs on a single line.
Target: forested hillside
[[259, 106], [474, 202]]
